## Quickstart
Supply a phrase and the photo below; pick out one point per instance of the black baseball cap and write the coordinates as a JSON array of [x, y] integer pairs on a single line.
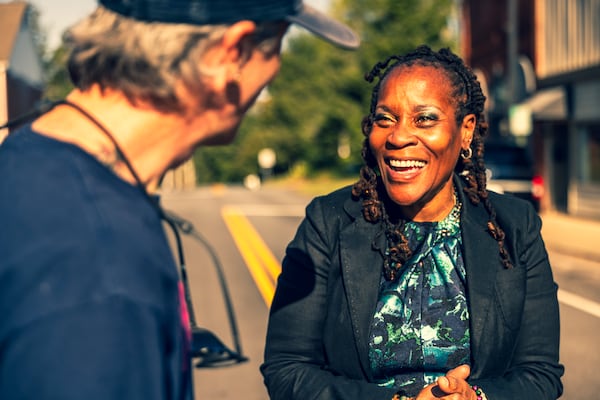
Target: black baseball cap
[[205, 12]]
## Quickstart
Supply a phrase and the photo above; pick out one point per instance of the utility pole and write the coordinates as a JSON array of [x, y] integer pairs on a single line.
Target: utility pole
[[512, 55]]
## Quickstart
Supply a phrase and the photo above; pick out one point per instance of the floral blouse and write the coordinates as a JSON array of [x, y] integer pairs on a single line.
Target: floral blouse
[[420, 329]]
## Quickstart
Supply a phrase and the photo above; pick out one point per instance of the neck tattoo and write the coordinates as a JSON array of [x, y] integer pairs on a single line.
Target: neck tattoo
[[109, 157]]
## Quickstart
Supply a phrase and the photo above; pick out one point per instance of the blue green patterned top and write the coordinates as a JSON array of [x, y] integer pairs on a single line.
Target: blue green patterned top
[[420, 329]]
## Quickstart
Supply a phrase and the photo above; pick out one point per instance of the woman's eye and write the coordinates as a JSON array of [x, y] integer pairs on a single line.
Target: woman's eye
[[425, 119], [384, 120]]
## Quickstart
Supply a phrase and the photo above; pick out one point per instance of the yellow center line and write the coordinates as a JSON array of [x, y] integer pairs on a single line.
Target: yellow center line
[[259, 259]]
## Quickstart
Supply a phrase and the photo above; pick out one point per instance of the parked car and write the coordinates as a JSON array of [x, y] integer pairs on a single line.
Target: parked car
[[509, 169]]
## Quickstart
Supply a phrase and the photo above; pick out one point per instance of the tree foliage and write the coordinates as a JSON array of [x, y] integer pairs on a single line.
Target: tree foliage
[[320, 96], [58, 82]]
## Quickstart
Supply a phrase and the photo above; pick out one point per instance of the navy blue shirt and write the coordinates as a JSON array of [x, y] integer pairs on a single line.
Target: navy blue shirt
[[89, 293]]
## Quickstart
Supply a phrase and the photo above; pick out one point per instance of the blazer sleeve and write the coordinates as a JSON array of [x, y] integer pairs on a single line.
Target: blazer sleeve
[[296, 365], [532, 370]]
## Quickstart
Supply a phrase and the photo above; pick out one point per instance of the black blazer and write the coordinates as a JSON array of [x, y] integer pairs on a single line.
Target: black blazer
[[317, 338]]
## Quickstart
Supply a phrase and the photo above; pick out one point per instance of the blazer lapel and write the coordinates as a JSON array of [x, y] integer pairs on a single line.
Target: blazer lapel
[[479, 251], [361, 274]]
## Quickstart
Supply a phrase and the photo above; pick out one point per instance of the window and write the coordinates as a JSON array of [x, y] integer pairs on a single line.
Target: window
[[589, 162]]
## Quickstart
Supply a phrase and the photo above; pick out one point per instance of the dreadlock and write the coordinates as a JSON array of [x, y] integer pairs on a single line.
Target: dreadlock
[[469, 100]]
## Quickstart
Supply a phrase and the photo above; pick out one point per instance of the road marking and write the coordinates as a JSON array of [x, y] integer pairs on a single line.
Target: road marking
[[271, 210], [259, 259], [578, 302], [265, 269]]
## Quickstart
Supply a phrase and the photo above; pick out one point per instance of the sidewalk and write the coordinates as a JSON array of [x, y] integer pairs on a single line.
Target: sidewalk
[[572, 236]]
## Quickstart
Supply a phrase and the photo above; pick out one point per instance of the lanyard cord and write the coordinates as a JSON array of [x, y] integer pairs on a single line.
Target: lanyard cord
[[205, 345]]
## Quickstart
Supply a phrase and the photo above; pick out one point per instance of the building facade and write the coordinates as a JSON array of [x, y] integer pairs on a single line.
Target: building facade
[[540, 60]]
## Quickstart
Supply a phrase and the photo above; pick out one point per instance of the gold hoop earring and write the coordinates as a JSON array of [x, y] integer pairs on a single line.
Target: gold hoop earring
[[467, 153]]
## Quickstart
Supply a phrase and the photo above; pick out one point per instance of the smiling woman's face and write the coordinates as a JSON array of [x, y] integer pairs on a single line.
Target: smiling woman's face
[[416, 140]]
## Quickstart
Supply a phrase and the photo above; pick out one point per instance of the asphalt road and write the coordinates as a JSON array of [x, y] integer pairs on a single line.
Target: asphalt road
[[249, 231]]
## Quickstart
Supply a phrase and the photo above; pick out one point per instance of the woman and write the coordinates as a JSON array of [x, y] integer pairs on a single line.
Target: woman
[[90, 295], [416, 282]]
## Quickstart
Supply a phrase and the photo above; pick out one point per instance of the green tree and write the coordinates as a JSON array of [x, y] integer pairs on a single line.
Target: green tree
[[58, 82]]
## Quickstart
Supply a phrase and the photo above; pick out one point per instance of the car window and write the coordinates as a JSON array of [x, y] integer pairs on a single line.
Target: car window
[[508, 162]]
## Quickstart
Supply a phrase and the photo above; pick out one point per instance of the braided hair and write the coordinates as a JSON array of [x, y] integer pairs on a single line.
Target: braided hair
[[469, 100]]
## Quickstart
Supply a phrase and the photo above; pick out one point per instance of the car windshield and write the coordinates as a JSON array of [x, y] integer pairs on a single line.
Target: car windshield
[[508, 162]]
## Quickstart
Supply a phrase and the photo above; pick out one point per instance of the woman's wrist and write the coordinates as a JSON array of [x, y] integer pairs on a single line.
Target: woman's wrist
[[401, 395], [479, 392]]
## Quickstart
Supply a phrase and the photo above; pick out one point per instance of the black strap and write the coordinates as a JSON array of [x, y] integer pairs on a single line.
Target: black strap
[[42, 108]]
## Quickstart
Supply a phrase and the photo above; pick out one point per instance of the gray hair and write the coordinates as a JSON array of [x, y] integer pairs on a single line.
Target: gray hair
[[143, 60]]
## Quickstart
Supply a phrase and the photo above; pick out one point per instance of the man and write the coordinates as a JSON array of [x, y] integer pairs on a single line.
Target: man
[[90, 297]]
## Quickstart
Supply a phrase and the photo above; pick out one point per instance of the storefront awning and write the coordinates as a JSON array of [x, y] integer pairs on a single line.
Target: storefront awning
[[548, 104]]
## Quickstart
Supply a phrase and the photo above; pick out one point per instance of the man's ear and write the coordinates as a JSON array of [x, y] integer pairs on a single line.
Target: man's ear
[[237, 43], [224, 60], [467, 128]]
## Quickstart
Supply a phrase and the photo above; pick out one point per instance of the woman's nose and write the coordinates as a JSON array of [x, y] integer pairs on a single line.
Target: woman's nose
[[401, 135]]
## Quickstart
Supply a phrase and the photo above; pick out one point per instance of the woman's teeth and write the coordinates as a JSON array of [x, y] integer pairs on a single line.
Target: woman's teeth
[[407, 164]]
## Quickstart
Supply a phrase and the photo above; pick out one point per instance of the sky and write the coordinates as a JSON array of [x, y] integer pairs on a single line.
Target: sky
[[58, 15]]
